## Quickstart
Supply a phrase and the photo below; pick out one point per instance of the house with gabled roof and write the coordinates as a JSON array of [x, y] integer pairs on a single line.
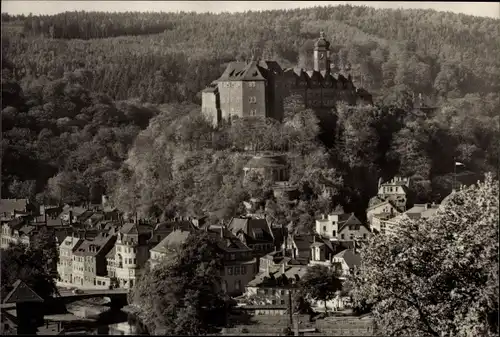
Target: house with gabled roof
[[342, 226], [346, 262], [256, 233], [396, 190], [132, 252], [65, 264], [381, 210], [89, 262]]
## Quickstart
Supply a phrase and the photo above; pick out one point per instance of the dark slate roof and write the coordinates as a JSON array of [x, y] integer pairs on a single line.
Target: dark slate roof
[[267, 161], [22, 293], [16, 223], [271, 66], [93, 247], [348, 219], [250, 228], [11, 205], [227, 241], [85, 215], [242, 71]]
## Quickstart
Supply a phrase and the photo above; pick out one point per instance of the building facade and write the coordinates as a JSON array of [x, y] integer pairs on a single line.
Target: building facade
[[259, 88], [65, 264]]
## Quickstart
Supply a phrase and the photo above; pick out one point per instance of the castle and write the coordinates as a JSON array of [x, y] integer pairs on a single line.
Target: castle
[[259, 88]]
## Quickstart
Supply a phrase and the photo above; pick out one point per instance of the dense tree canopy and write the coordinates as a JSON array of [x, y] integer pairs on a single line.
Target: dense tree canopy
[[183, 296], [34, 265], [320, 283], [437, 276]]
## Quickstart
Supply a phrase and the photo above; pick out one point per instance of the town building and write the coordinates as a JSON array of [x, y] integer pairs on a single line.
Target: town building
[[256, 233], [239, 264], [169, 246], [396, 190], [65, 264], [259, 88], [89, 262], [381, 211], [418, 211], [131, 253], [16, 231], [342, 226], [346, 262], [273, 287]]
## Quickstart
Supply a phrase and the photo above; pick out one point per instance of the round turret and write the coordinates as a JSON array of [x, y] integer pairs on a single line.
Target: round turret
[[321, 43]]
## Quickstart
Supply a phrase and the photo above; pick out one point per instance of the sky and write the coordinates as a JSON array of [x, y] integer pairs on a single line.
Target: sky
[[486, 9]]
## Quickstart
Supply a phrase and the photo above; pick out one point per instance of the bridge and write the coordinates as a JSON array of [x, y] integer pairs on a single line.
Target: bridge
[[68, 296]]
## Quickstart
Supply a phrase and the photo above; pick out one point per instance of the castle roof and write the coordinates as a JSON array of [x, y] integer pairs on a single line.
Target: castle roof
[[242, 71]]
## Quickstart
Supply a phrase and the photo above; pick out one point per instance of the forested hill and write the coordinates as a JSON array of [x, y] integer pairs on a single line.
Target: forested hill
[[98, 103], [166, 57]]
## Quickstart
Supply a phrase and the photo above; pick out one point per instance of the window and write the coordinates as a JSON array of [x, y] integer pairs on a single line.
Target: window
[[342, 236], [274, 301], [233, 256], [252, 99], [251, 84], [243, 270], [324, 228], [334, 233], [237, 285], [364, 236], [253, 112], [236, 270], [282, 302], [230, 270]]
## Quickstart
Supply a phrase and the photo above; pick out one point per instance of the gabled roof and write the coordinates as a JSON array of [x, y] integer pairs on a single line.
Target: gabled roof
[[248, 227], [173, 241], [16, 223], [377, 202], [350, 258], [242, 71], [351, 220], [226, 240], [22, 293]]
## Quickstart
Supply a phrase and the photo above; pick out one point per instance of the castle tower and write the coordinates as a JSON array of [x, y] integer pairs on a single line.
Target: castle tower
[[322, 54]]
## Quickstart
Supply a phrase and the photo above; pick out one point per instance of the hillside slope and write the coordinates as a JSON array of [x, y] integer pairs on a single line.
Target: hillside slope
[[166, 57]]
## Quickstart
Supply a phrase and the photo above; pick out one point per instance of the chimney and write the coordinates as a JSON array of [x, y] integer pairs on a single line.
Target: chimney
[[70, 218], [45, 217], [267, 268], [283, 267], [222, 232], [355, 248]]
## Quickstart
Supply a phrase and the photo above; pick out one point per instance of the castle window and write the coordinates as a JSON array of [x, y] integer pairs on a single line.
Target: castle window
[[252, 99]]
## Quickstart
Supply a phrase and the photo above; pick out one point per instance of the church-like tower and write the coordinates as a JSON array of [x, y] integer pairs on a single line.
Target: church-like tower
[[322, 54]]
